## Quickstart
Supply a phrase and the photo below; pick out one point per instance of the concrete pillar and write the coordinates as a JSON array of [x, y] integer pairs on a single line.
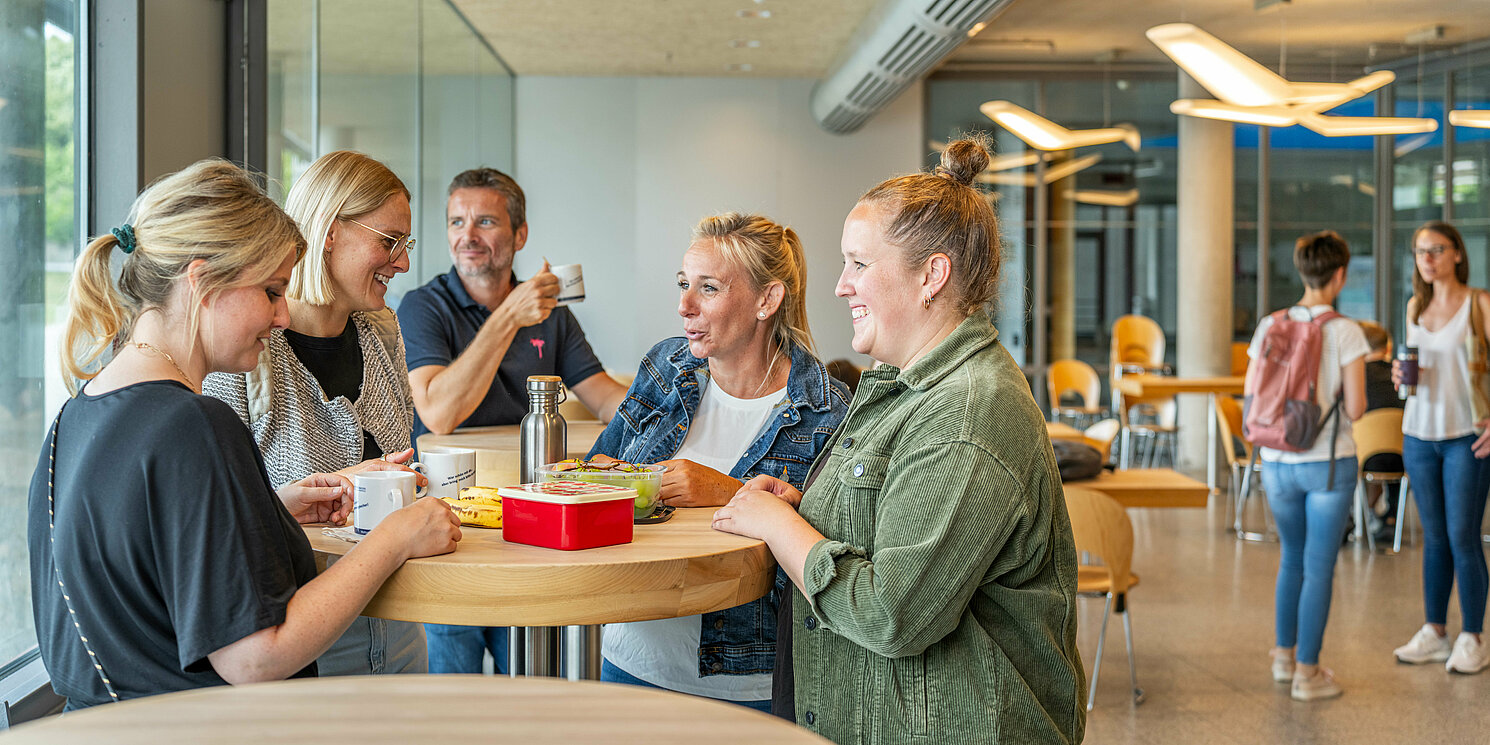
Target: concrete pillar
[[1062, 264], [1204, 263]]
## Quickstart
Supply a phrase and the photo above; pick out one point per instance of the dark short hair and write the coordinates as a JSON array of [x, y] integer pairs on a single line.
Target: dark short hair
[[501, 183], [1318, 256]]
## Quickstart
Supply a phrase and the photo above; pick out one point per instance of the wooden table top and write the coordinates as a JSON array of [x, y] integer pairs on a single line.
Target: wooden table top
[[497, 448], [1164, 385], [1149, 487], [678, 568], [1062, 431], [399, 709]]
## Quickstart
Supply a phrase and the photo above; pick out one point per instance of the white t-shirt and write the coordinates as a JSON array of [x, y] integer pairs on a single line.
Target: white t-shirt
[[1440, 410], [1344, 343], [665, 652]]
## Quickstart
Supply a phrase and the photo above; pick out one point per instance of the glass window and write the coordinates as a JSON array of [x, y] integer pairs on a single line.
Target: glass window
[[38, 216]]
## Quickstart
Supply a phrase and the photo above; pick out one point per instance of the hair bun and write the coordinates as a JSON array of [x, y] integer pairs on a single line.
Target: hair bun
[[963, 160]]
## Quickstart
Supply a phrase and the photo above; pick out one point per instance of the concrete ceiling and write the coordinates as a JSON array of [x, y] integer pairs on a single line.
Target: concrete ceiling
[[667, 37]]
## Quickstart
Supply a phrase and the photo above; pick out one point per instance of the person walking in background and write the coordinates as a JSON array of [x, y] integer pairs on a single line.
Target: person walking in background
[[1446, 462], [1308, 493]]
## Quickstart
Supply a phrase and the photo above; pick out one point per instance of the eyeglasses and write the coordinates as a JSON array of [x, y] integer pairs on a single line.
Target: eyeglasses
[[399, 246], [1434, 251]]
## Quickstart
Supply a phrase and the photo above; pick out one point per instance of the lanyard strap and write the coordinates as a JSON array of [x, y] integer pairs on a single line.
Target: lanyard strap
[[56, 570]]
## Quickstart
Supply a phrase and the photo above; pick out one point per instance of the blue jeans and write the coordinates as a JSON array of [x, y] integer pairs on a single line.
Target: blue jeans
[[1311, 517], [458, 649], [611, 674], [1449, 484]]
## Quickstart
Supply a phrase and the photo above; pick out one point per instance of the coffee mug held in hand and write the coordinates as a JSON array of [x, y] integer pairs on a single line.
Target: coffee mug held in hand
[[571, 283], [1407, 366], [378, 494], [448, 469]]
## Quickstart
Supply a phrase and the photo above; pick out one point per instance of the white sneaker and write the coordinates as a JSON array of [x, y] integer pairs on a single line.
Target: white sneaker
[[1426, 646], [1469, 656]]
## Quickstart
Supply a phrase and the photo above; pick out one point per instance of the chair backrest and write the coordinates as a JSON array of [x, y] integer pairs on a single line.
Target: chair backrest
[[1101, 436], [1101, 527], [1136, 340], [1229, 417], [1377, 431], [1239, 358], [1073, 376]]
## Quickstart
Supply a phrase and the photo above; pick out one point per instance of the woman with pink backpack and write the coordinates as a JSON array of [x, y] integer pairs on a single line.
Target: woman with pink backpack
[[1305, 384]]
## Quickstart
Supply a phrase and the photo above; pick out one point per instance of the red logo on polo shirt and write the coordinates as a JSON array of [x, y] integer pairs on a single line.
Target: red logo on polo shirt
[[538, 343]]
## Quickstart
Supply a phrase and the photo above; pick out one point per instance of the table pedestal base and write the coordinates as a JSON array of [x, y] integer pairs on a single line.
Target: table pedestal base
[[571, 652]]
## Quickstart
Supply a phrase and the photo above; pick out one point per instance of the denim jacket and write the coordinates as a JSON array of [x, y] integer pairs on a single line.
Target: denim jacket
[[651, 424]]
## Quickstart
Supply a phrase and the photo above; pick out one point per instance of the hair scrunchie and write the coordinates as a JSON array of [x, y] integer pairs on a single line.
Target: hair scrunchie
[[125, 234]]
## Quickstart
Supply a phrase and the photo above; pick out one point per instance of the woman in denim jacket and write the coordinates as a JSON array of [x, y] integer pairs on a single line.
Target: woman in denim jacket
[[741, 394]]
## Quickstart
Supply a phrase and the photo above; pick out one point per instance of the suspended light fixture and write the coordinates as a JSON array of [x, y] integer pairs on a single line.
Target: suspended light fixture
[[1043, 134], [1346, 126], [1470, 118], [1267, 116], [1104, 197], [1053, 174]]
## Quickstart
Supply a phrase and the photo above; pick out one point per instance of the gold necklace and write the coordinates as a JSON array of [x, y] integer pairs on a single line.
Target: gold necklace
[[170, 359]]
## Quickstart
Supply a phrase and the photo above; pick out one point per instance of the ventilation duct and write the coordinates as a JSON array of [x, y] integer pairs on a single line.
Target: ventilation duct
[[896, 45]]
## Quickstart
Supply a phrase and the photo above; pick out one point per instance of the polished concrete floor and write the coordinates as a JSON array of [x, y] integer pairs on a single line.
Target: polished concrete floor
[[1203, 625]]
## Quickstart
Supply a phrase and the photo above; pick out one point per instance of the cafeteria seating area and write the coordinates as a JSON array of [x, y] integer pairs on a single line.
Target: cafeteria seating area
[[1160, 171]]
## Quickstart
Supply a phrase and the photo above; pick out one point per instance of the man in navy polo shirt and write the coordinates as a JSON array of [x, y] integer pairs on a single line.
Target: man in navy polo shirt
[[473, 336]]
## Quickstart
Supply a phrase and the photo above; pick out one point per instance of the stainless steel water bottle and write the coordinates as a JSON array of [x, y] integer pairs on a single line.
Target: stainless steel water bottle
[[544, 433]]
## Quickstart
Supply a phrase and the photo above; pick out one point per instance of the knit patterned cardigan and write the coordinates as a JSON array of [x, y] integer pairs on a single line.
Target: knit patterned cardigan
[[298, 429]]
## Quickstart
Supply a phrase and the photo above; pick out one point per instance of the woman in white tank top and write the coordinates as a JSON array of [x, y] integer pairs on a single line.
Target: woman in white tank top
[[1446, 462]]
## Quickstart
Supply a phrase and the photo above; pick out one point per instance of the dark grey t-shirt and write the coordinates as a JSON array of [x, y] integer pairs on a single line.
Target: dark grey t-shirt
[[169, 537]]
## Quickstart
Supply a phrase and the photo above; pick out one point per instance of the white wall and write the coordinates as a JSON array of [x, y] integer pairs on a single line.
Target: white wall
[[618, 170]]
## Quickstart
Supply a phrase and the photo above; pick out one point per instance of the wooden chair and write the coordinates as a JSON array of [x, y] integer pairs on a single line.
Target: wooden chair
[[1229, 419], [1137, 346], [1074, 376], [1239, 358], [1379, 432], [1101, 436], [1160, 427], [1102, 529]]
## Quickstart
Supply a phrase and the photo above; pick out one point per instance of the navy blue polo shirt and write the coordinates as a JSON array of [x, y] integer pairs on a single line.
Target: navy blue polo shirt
[[439, 320]]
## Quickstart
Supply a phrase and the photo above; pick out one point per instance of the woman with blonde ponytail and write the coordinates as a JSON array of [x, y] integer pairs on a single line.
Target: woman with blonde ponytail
[[741, 393], [162, 559], [930, 553]]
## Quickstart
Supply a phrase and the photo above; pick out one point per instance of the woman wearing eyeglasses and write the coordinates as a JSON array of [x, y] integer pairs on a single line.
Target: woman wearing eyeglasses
[[1446, 463], [331, 393]]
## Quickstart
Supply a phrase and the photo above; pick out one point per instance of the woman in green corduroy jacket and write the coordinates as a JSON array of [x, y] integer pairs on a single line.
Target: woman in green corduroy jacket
[[931, 550]]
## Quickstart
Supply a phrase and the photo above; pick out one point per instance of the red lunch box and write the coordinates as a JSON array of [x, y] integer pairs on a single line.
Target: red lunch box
[[567, 515]]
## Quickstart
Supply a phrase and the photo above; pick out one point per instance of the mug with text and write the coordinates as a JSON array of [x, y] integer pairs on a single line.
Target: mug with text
[[448, 469], [377, 494], [571, 283]]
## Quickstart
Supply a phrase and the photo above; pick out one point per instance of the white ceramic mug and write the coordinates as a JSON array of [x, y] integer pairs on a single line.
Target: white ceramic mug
[[448, 469], [377, 494], [571, 283]]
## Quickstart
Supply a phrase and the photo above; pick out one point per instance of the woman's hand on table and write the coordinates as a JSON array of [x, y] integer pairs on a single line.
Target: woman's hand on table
[[785, 491], [688, 484], [318, 498], [755, 513], [389, 462], [425, 528]]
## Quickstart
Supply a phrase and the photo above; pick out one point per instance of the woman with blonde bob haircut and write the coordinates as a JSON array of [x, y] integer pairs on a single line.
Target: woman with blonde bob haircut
[[930, 550], [741, 393], [162, 558], [330, 393]]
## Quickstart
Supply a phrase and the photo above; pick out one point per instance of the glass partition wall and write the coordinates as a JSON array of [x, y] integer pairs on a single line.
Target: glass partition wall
[[1103, 260], [429, 99]]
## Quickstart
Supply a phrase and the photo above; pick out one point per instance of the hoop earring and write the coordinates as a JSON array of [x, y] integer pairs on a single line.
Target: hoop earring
[[926, 301]]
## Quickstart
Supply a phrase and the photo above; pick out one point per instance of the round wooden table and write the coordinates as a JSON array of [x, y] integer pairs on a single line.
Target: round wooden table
[[497, 448], [678, 568], [417, 708]]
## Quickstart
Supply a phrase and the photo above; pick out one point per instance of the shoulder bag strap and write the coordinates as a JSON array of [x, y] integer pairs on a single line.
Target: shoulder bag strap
[[57, 570]]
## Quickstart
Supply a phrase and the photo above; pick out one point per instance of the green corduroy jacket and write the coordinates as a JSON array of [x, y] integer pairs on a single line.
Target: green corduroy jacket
[[942, 606]]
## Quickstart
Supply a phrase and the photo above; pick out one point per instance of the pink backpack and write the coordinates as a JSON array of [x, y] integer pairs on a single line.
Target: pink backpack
[[1283, 411]]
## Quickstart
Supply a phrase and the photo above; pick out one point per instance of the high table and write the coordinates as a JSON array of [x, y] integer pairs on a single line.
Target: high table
[[1146, 385], [1062, 431], [678, 568], [1148, 487], [402, 709]]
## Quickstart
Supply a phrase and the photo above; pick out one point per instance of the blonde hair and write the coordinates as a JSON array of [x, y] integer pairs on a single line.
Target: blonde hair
[[211, 210], [1377, 337], [767, 252], [340, 184], [941, 212]]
